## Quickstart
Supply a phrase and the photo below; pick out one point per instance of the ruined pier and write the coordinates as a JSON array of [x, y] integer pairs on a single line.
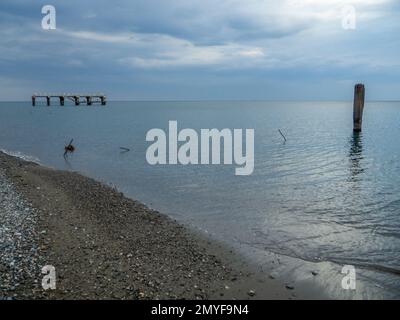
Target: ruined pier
[[77, 99]]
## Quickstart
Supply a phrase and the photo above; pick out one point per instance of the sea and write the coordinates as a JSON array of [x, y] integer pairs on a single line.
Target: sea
[[322, 199]]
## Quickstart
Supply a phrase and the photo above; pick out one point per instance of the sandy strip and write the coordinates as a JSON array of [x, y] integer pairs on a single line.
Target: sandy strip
[[106, 246]]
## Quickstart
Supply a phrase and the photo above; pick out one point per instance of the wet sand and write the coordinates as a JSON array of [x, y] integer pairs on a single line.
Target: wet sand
[[104, 245]]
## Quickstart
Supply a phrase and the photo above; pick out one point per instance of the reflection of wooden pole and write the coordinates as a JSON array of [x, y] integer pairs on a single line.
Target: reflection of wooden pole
[[359, 97]]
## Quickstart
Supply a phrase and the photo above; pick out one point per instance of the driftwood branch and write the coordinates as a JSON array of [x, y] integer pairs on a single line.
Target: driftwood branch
[[69, 148], [282, 135]]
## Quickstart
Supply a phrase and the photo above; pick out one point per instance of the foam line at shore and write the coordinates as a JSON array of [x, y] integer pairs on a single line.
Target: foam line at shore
[[21, 155]]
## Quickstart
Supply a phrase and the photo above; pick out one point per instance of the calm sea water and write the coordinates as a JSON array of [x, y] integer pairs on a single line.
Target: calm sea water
[[326, 196]]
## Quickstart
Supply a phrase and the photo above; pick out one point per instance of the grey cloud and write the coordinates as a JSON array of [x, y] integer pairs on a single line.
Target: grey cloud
[[162, 46]]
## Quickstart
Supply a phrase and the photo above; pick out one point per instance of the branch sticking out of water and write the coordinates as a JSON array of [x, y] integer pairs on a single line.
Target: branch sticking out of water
[[282, 135], [123, 149], [69, 148]]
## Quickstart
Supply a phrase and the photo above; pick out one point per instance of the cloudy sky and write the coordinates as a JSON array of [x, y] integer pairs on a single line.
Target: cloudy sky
[[201, 49]]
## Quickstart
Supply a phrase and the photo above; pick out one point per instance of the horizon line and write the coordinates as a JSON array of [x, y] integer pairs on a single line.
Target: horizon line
[[229, 100]]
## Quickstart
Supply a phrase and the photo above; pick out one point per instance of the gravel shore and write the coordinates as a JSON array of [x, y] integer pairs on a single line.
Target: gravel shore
[[19, 258], [106, 246]]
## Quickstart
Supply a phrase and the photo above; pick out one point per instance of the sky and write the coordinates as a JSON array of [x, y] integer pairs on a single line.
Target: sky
[[202, 49]]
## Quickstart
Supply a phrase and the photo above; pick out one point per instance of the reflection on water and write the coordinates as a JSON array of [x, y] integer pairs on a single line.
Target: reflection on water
[[68, 164], [356, 156]]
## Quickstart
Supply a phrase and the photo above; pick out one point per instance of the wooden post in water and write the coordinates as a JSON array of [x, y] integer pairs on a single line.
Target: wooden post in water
[[77, 100], [358, 108], [33, 101], [61, 100], [48, 100]]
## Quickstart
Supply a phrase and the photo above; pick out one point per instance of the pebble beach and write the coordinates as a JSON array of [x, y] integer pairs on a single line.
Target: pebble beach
[[106, 246]]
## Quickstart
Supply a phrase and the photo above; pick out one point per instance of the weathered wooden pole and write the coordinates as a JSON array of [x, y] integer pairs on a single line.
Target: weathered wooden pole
[[33, 101], [48, 100], [61, 100], [358, 108], [89, 100], [77, 100], [103, 100]]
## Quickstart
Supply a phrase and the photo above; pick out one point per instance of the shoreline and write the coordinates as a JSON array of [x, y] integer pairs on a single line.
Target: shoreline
[[106, 246]]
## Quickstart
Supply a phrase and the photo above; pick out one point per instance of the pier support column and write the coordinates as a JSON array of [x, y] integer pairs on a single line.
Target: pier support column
[[48, 100], [33, 101], [89, 100], [103, 100], [77, 100], [358, 108], [62, 101]]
